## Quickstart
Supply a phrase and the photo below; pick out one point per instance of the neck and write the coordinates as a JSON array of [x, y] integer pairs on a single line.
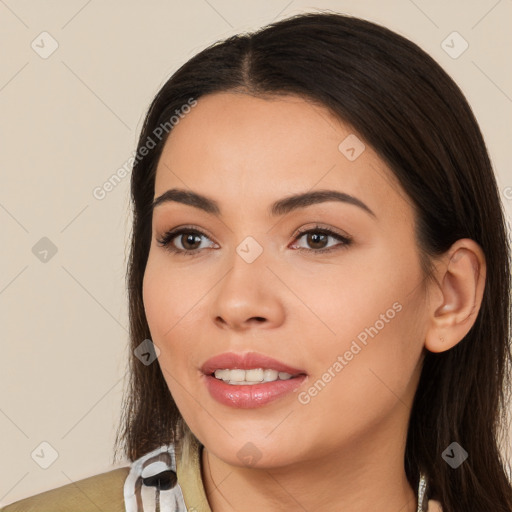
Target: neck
[[351, 479]]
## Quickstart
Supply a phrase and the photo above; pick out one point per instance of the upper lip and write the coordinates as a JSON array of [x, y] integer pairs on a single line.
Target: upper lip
[[231, 360]]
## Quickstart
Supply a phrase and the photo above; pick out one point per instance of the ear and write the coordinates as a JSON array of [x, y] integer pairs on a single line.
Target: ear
[[455, 300]]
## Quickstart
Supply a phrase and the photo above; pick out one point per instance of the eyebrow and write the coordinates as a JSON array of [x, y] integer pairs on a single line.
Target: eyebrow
[[278, 208]]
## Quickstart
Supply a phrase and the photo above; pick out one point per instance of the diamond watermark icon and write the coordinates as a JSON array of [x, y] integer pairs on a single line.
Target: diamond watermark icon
[[44, 455], [147, 352], [351, 147], [44, 45], [249, 249], [44, 250], [454, 455], [249, 454], [454, 45]]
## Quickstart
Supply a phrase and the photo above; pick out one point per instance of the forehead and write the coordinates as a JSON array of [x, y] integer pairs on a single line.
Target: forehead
[[233, 144], [238, 127]]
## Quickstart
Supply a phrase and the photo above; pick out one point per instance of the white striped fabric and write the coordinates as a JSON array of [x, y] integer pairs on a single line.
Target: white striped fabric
[[151, 485]]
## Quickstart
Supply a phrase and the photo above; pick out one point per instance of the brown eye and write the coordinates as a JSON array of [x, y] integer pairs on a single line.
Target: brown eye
[[317, 238], [183, 241], [188, 240]]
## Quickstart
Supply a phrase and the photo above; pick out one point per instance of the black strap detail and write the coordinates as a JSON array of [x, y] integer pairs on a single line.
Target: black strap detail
[[162, 481]]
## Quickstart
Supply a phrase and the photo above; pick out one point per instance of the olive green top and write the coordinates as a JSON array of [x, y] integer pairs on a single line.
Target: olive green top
[[99, 492], [105, 491], [188, 471]]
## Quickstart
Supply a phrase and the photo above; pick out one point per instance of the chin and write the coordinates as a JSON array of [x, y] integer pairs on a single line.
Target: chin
[[259, 452]]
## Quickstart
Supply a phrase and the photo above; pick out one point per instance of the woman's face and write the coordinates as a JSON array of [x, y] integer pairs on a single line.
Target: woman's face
[[351, 320]]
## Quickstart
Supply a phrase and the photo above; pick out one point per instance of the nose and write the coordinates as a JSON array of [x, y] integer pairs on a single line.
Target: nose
[[248, 296]]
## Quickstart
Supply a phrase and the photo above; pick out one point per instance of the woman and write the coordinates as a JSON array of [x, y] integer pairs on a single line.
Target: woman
[[319, 286]]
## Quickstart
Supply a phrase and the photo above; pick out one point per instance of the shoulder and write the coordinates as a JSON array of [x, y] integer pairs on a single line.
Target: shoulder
[[99, 492]]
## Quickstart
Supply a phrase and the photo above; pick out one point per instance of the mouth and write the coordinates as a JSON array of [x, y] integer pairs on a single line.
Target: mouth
[[249, 380], [251, 376], [250, 367]]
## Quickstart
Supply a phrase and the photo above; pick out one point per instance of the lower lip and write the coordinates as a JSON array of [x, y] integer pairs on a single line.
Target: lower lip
[[250, 396]]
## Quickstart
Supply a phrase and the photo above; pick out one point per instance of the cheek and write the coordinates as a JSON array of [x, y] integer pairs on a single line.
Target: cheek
[[160, 309], [370, 313], [172, 307], [169, 297], [357, 384], [155, 299], [345, 298]]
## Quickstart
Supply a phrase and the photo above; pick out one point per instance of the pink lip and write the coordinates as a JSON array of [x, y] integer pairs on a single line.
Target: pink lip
[[246, 361], [254, 395]]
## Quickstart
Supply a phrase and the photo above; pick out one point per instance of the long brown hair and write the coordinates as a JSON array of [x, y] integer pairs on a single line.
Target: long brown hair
[[416, 118]]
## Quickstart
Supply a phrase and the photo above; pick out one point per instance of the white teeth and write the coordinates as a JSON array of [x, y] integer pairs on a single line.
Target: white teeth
[[252, 376], [270, 375], [255, 375], [237, 375], [222, 374]]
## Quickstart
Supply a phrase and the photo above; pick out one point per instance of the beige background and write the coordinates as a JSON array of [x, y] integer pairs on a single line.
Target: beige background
[[68, 122]]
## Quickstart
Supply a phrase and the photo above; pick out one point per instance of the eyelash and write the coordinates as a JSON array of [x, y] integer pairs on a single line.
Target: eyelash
[[167, 238]]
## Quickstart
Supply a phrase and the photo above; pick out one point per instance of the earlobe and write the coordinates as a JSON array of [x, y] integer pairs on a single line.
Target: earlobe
[[461, 281]]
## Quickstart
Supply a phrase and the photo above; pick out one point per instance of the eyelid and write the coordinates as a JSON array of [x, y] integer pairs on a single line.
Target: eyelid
[[318, 226]]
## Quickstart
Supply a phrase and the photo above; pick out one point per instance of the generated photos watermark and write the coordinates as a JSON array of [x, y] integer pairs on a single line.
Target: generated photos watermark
[[305, 397], [101, 191]]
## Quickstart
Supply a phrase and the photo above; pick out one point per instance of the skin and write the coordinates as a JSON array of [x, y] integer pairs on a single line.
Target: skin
[[344, 449]]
